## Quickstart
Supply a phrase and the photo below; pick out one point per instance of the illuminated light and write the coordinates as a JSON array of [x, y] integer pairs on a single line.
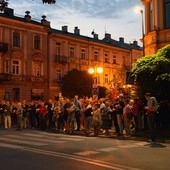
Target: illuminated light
[[138, 9], [91, 70], [99, 70]]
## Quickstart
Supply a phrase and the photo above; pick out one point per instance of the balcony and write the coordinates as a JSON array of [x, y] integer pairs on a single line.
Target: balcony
[[61, 59], [3, 47], [37, 79], [5, 77]]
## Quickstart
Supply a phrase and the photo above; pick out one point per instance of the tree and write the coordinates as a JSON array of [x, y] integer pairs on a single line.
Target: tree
[[152, 73], [76, 82]]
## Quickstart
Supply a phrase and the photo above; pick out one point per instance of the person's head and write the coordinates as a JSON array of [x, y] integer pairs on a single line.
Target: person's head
[[147, 96], [76, 97], [126, 101]]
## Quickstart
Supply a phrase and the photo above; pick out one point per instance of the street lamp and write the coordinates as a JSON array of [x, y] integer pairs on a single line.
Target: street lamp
[[94, 71], [138, 9]]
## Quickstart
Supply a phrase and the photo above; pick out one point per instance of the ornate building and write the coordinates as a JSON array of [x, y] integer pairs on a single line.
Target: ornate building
[[34, 57], [157, 24]]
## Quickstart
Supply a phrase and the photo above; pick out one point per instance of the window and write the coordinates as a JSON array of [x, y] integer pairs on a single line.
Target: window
[[114, 59], [37, 68], [58, 76], [167, 13], [83, 53], [37, 42], [6, 66], [106, 78], [15, 67], [96, 55], [16, 39], [58, 48], [106, 58], [151, 16], [72, 52]]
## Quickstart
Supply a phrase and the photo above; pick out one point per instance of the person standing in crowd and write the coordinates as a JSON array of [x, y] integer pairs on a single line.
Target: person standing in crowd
[[32, 114], [2, 106], [50, 112], [114, 116], [61, 116], [56, 115], [151, 109], [127, 116], [77, 112], [19, 113], [71, 117], [13, 114], [106, 118], [25, 114], [96, 119], [119, 111], [43, 111], [136, 114], [65, 115], [7, 115], [88, 116]]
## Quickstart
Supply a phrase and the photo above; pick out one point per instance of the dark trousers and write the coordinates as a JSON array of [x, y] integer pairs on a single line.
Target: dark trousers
[[151, 123], [115, 123], [77, 116], [43, 122]]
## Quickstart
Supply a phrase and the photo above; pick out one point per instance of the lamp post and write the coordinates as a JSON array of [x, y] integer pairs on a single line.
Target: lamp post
[[94, 71], [140, 10]]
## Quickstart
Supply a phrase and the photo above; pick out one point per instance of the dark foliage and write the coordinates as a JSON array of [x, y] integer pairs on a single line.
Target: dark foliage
[[76, 82]]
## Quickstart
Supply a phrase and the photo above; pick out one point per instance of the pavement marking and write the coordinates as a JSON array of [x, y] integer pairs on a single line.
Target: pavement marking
[[69, 138], [6, 139], [34, 139], [80, 159], [86, 153], [109, 149], [62, 135], [5, 145]]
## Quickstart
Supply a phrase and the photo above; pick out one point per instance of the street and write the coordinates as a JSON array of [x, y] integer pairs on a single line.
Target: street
[[34, 149]]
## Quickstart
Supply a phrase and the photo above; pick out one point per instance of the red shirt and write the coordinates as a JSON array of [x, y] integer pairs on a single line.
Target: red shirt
[[42, 111]]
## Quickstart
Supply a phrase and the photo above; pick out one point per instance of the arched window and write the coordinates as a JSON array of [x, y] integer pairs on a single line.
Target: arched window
[[167, 13]]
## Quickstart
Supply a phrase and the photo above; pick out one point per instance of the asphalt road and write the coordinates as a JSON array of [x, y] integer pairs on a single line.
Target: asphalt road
[[37, 150]]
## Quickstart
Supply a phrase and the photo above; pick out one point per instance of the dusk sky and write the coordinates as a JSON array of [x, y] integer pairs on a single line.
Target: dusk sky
[[116, 17]]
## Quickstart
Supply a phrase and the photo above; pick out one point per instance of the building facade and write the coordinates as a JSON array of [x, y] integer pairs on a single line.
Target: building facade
[[34, 57], [157, 25]]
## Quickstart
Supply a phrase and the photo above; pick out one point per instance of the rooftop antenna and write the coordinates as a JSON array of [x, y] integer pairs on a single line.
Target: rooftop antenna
[[105, 29]]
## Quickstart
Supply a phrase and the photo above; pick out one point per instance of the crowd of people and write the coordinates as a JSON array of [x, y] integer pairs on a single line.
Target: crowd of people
[[122, 115]]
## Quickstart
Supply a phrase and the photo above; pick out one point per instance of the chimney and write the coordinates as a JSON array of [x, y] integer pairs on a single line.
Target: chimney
[[45, 22], [27, 16], [76, 31], [135, 43], [96, 36], [108, 36], [64, 28], [9, 12], [121, 39]]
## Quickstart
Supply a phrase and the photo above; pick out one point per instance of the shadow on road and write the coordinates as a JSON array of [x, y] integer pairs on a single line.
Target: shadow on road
[[155, 145]]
